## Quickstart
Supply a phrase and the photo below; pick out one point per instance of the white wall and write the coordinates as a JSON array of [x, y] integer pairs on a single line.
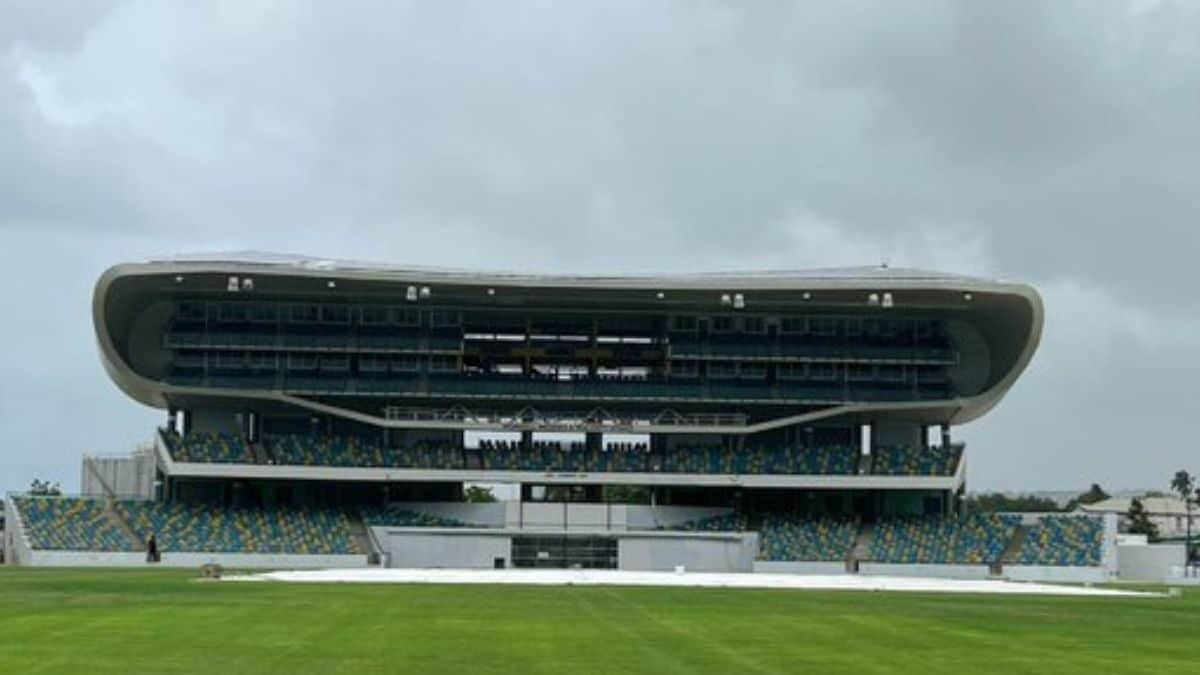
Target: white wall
[[17, 542], [128, 476], [923, 570], [445, 548], [699, 553], [798, 567], [1061, 574], [1147, 562]]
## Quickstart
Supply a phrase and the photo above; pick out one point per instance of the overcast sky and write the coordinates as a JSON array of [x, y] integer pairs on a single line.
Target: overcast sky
[[1056, 143]]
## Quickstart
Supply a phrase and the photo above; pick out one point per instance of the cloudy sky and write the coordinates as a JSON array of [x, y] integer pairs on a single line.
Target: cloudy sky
[[1051, 142]]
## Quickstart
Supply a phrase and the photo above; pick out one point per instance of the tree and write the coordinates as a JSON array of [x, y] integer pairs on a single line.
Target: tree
[[1139, 521], [477, 494], [998, 502], [44, 488], [1184, 484], [1093, 495]]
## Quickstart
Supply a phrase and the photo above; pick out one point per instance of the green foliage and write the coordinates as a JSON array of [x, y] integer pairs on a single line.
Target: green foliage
[[1183, 483], [477, 494], [627, 494], [996, 502], [1138, 521], [1093, 495], [44, 488]]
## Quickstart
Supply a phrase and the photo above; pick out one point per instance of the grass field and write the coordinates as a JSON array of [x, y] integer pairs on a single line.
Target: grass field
[[161, 621]]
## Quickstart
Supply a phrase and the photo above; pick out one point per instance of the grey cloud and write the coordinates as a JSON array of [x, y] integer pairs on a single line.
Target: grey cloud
[[1051, 142]]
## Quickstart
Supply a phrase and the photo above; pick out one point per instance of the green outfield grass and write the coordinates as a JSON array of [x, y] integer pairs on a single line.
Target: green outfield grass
[[162, 621]]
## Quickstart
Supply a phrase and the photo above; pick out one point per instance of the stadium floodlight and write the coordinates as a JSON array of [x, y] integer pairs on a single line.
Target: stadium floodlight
[[887, 301], [232, 286], [179, 278], [739, 301], [331, 284], [411, 294], [967, 297], [491, 292], [873, 299], [660, 295], [247, 284], [807, 295], [425, 292], [726, 299]]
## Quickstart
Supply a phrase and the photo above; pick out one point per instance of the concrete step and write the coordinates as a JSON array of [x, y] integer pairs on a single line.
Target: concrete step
[[115, 517], [862, 547], [1012, 552]]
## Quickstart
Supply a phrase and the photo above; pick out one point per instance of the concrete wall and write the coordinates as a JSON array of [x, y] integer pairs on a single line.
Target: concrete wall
[[1148, 562], [1059, 574], [17, 544], [446, 548], [128, 476], [466, 548], [569, 517], [920, 570], [698, 553], [798, 567]]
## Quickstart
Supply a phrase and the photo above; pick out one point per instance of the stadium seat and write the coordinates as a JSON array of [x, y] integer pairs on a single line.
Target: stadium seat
[[1063, 541], [71, 524], [806, 538], [909, 461], [971, 539], [205, 447], [182, 527]]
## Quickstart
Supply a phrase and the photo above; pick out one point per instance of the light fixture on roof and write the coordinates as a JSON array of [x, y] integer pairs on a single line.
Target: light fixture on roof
[[425, 292], [247, 284], [411, 294], [726, 299], [873, 299], [739, 301], [232, 286], [887, 300], [807, 295], [967, 297], [179, 278], [660, 295], [331, 284], [491, 292]]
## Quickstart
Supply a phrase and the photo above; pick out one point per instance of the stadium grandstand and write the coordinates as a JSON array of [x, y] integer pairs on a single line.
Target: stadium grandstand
[[328, 413]]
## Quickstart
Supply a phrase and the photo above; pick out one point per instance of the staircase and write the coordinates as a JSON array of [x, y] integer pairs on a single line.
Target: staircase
[[864, 463], [139, 543], [1012, 552], [862, 547], [361, 539]]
